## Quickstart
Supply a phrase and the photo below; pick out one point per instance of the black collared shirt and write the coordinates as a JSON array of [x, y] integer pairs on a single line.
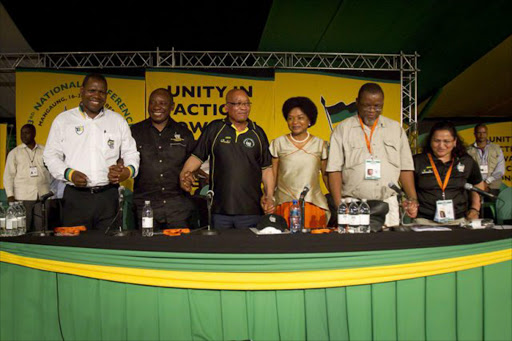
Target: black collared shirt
[[236, 163], [465, 170], [162, 155]]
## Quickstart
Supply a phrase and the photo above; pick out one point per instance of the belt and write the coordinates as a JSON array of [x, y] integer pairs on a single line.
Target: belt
[[96, 189]]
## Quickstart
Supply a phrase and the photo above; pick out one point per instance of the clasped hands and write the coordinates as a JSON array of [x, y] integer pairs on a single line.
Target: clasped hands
[[411, 207], [116, 173], [187, 180]]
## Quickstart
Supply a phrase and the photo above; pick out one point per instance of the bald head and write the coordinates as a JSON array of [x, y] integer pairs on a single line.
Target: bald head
[[238, 106], [233, 93]]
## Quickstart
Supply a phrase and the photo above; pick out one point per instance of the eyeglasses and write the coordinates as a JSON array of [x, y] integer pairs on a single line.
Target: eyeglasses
[[240, 104], [368, 108]]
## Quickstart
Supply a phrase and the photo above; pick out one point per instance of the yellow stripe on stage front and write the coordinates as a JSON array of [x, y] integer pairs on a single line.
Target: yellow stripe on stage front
[[264, 280]]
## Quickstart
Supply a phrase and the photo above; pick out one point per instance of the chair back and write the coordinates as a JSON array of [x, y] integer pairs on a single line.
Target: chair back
[[504, 207]]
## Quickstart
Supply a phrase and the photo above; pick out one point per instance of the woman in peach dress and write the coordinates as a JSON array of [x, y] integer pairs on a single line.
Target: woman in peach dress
[[298, 158]]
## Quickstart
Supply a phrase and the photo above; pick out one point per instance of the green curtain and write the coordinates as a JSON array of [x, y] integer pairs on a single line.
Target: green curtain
[[473, 304]]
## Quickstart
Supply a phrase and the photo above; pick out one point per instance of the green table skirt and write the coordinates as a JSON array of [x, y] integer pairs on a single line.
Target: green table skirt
[[468, 303]]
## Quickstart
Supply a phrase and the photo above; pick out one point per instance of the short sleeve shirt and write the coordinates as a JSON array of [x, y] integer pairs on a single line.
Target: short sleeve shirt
[[236, 163], [299, 167], [348, 153], [465, 170], [162, 156]]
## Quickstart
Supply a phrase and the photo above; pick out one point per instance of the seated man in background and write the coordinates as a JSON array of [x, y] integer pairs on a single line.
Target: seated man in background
[[489, 157], [26, 178]]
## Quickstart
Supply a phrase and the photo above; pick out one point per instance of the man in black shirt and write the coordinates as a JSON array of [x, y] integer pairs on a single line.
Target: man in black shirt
[[239, 161], [164, 146]]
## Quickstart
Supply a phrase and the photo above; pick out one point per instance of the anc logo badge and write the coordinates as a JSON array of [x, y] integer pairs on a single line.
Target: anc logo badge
[[110, 143], [176, 138], [249, 143], [79, 130]]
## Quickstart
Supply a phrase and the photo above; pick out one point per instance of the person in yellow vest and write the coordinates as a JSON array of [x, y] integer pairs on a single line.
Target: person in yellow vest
[[489, 157]]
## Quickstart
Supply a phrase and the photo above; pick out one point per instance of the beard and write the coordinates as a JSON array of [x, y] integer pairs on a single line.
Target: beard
[[369, 121]]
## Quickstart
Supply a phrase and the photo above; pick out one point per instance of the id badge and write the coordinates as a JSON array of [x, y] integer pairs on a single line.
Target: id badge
[[372, 169], [444, 211], [484, 169], [33, 172]]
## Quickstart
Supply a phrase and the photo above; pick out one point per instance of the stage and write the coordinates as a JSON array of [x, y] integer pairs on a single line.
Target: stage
[[237, 286]]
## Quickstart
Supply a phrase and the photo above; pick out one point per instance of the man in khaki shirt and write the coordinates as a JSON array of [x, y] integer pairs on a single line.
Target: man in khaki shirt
[[367, 152], [26, 178]]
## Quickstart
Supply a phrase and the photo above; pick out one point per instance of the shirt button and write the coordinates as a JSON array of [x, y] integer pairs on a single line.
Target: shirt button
[[163, 188], [159, 134], [159, 147], [161, 175], [165, 202], [160, 161]]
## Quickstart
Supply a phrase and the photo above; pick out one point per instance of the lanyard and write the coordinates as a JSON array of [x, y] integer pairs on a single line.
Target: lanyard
[[371, 134], [438, 178], [31, 158]]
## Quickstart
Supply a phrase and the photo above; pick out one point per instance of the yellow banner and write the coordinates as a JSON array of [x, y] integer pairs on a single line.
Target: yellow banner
[[334, 96], [200, 97], [500, 134], [42, 95]]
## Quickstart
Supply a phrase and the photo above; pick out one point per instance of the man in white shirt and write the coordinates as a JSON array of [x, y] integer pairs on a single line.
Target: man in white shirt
[[26, 178], [82, 149]]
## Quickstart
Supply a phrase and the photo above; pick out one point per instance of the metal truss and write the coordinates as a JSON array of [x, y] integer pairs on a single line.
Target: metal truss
[[406, 64], [190, 59], [409, 108]]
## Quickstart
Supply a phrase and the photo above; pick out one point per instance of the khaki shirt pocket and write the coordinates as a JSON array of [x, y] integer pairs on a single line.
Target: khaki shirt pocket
[[356, 154], [392, 152]]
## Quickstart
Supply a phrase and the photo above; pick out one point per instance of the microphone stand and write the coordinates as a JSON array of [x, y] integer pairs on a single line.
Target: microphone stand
[[118, 219], [44, 232], [302, 204], [209, 203]]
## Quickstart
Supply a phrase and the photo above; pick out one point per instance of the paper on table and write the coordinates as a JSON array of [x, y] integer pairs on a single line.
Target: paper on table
[[430, 228], [267, 231]]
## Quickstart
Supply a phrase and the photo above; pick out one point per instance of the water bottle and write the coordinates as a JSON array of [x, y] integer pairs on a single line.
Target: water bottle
[[353, 216], [11, 221], [22, 218], [147, 219], [295, 217], [342, 216], [3, 231], [364, 216]]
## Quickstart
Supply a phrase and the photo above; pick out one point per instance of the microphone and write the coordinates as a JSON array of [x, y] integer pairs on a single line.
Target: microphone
[[45, 197], [120, 190], [304, 192], [396, 189], [470, 187]]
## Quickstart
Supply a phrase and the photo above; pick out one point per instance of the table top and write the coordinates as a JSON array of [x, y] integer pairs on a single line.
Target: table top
[[245, 241]]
